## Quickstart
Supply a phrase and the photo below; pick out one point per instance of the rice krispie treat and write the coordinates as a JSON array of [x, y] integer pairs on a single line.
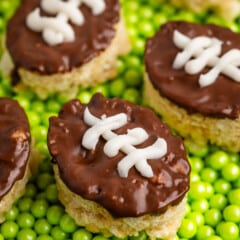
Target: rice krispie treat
[[119, 169], [57, 46], [192, 79], [14, 153]]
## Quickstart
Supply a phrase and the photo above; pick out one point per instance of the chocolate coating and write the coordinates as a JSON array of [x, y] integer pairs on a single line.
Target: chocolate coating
[[14, 144], [94, 176], [28, 49], [221, 99]]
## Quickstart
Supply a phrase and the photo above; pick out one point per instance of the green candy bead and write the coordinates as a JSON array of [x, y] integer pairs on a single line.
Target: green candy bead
[[194, 177], [209, 175], [146, 12], [25, 220], [200, 205], [82, 234], [218, 160], [44, 237], [43, 180], [103, 89], [133, 62], [31, 190], [197, 217], [218, 201], [196, 164], [120, 66], [209, 190], [23, 102], [117, 87], [12, 214], [37, 107], [138, 46], [231, 172], [204, 231], [228, 230], [197, 190], [9, 229], [34, 118], [222, 186], [146, 29], [39, 133], [99, 237], [42, 226], [131, 95], [24, 204], [231, 213], [84, 97], [54, 214], [39, 208], [132, 78], [131, 19], [188, 228], [26, 234], [52, 193], [53, 106], [58, 234], [213, 216], [42, 148], [234, 196]]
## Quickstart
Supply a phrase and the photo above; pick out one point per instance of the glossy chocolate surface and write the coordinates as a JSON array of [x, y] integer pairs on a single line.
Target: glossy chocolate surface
[[28, 49], [14, 144], [94, 176], [221, 99]]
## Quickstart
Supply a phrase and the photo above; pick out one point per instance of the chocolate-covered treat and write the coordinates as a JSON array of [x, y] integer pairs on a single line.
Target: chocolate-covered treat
[[192, 80], [55, 46], [14, 153], [119, 169]]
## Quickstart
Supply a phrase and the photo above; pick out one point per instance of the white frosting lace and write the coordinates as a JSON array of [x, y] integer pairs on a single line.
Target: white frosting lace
[[125, 143], [202, 51]]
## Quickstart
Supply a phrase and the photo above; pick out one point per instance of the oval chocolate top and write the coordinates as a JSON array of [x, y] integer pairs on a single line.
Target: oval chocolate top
[[14, 144], [221, 99], [28, 49], [94, 176]]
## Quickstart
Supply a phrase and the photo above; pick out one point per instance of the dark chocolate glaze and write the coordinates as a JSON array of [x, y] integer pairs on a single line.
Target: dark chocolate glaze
[[28, 49], [14, 144], [221, 99], [94, 176]]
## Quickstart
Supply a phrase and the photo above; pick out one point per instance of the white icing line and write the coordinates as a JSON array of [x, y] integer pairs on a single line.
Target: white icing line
[[135, 157], [57, 29], [200, 52]]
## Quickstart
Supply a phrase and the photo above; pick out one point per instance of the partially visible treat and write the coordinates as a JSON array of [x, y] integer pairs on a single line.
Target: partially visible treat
[[227, 9], [192, 79], [14, 153], [119, 169], [57, 46]]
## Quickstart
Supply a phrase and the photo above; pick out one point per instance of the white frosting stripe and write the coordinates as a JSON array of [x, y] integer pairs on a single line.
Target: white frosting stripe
[[57, 29], [200, 52], [135, 157]]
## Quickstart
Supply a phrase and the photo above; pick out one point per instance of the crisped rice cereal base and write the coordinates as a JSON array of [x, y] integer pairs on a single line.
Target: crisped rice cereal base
[[97, 219], [16, 191], [92, 73], [223, 132]]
